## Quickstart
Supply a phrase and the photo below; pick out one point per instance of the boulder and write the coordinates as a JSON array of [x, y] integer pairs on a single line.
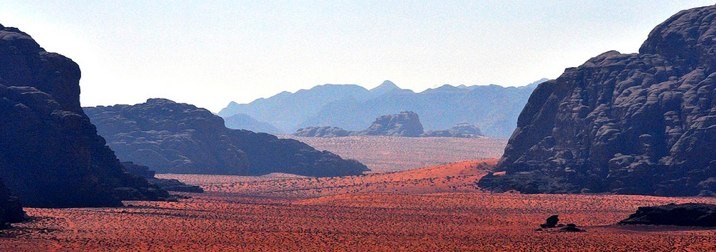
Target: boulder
[[550, 222]]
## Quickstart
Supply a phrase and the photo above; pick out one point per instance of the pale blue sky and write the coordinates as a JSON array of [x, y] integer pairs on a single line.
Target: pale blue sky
[[211, 52]]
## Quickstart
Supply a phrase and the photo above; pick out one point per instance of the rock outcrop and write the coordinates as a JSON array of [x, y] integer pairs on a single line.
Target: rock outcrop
[[10, 208], [689, 214], [174, 137], [325, 131], [463, 130], [50, 153], [404, 124], [171, 185], [624, 123]]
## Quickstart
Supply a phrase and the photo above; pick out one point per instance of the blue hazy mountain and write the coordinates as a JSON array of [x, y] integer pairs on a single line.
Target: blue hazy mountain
[[493, 108]]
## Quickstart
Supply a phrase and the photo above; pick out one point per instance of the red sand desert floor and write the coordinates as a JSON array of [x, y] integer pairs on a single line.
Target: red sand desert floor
[[430, 209]]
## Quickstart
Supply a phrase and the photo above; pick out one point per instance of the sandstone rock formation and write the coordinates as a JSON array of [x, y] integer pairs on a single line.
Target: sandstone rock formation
[[464, 130], [325, 131], [171, 185], [689, 214], [10, 209], [50, 153], [405, 124], [174, 137], [624, 123]]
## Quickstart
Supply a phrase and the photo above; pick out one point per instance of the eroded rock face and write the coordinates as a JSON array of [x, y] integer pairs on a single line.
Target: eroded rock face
[[50, 153], [624, 123], [463, 130], [172, 185], [325, 131], [406, 124], [10, 209], [174, 137], [689, 214]]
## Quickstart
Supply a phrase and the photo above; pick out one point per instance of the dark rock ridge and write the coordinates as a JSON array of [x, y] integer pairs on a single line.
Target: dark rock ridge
[[624, 123], [174, 137], [493, 108], [689, 214], [50, 153], [10, 208], [325, 131], [165, 184], [405, 124], [464, 130]]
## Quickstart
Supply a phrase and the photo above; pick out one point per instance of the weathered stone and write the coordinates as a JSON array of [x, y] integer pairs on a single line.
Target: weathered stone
[[50, 153], [689, 214], [624, 123], [405, 124], [174, 137]]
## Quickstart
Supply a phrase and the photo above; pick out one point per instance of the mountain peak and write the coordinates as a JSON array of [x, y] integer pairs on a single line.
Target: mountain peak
[[385, 86]]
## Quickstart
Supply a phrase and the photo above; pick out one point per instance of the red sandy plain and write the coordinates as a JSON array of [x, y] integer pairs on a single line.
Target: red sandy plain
[[387, 154], [429, 209]]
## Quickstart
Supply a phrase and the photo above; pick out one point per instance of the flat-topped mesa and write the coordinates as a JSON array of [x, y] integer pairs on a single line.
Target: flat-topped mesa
[[406, 123], [50, 153], [624, 123]]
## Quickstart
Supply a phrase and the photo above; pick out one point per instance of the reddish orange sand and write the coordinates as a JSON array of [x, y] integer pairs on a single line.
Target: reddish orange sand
[[398, 212], [387, 154]]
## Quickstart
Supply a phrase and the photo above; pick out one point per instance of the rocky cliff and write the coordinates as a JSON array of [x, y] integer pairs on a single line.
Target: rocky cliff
[[50, 153], [10, 208], [174, 137], [624, 123], [405, 124]]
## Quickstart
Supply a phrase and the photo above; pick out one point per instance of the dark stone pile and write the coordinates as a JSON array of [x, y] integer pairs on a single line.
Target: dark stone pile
[[552, 223]]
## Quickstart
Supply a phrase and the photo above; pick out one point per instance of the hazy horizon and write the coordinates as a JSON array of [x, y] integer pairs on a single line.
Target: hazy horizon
[[211, 53]]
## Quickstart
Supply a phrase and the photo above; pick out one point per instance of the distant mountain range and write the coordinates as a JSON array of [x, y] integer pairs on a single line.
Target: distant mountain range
[[492, 108]]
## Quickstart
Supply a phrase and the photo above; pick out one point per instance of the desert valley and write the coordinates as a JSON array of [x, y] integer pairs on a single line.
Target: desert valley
[[617, 154]]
